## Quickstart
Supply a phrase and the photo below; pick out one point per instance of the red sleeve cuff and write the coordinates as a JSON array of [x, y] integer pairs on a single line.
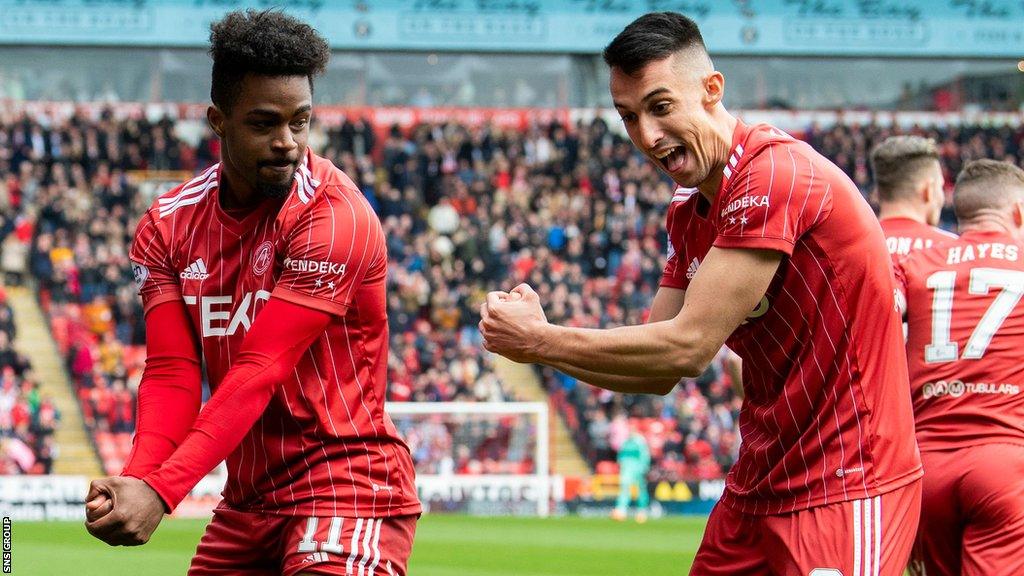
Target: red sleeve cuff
[[755, 243], [673, 282], [169, 497], [152, 301], [295, 297]]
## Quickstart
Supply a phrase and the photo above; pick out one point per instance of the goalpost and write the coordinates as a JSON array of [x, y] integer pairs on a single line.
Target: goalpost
[[483, 458]]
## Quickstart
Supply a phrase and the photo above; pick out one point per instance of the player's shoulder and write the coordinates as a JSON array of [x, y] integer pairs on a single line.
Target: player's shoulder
[[687, 206], [941, 234], [769, 151], [317, 177], [183, 198], [899, 225], [321, 187], [923, 262]]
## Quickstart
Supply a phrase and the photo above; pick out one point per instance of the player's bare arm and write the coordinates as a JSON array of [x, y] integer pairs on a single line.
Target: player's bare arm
[[666, 305], [729, 284]]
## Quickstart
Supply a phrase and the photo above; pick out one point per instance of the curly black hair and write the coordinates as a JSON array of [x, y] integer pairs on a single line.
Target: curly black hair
[[268, 43]]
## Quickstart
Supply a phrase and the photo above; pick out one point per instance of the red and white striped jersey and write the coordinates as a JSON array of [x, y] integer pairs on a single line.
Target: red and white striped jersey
[[324, 446], [826, 416], [965, 328], [905, 235]]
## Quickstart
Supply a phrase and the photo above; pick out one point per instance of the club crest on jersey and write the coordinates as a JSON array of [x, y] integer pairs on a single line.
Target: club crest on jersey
[[262, 258], [745, 202]]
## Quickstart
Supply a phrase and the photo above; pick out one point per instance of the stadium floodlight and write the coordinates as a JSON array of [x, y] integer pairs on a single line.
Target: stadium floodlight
[[480, 458]]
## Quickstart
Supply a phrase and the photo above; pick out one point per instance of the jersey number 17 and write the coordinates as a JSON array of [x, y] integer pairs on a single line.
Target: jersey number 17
[[982, 280]]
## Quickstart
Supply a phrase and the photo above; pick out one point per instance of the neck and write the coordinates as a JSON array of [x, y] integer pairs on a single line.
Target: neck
[[235, 193], [724, 125], [987, 223], [900, 210]]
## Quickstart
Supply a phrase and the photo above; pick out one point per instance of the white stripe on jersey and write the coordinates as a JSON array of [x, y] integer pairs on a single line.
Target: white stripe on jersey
[[857, 537], [193, 199], [371, 570], [190, 187], [353, 546], [371, 524], [196, 188], [877, 501], [868, 533], [867, 536]]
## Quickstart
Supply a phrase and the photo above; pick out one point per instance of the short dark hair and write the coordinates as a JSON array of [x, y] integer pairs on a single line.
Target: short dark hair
[[268, 43], [898, 163], [652, 37], [986, 184]]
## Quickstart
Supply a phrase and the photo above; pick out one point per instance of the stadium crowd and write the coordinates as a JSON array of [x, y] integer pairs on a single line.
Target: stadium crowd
[[574, 211], [28, 417]]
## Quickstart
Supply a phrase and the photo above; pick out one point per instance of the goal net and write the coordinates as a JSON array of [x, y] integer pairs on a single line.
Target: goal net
[[486, 458]]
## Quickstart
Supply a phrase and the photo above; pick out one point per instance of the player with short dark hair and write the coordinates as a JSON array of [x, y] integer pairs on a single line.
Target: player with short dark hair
[[271, 266], [909, 185], [965, 328], [777, 255]]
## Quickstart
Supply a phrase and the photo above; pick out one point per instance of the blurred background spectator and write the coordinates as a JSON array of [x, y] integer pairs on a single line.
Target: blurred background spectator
[[573, 210]]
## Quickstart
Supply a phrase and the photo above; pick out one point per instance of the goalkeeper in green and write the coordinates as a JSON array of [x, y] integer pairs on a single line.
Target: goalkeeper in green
[[634, 463]]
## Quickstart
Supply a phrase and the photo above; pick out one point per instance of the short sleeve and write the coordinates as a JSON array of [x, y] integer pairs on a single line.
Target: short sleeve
[[154, 275], [900, 286], [773, 201], [670, 276], [330, 250]]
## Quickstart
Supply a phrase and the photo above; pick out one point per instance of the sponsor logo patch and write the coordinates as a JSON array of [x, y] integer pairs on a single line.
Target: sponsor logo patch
[[195, 271], [745, 202], [315, 266], [141, 274]]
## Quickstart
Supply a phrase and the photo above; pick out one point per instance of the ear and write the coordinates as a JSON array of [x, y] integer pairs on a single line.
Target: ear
[[926, 191], [714, 89], [216, 119], [1018, 214]]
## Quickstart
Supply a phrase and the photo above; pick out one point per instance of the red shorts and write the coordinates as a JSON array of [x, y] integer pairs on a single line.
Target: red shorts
[[869, 537], [972, 512], [256, 544]]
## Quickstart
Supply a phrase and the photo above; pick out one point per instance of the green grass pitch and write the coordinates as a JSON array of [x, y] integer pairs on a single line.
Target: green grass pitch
[[445, 546]]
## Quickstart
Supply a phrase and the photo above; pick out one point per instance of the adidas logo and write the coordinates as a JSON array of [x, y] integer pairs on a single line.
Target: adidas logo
[[691, 271], [195, 271], [316, 557]]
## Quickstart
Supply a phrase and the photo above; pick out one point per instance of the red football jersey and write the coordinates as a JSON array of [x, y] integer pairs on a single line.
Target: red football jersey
[[329, 449], [690, 235], [826, 415], [906, 235], [965, 328]]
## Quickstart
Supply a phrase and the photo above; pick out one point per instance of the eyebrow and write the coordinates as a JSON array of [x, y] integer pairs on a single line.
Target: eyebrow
[[651, 94], [273, 113]]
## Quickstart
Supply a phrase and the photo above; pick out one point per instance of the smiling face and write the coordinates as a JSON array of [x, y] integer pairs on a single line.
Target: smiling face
[[265, 133], [667, 108]]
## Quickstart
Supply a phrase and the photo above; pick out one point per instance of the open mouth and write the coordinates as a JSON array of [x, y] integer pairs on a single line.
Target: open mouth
[[672, 159]]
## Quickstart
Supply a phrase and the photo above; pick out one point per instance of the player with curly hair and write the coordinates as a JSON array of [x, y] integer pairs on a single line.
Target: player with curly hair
[[271, 266]]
